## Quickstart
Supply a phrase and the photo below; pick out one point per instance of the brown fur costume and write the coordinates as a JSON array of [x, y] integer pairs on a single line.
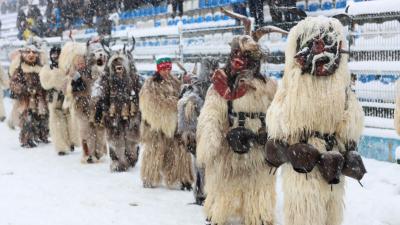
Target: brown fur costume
[[30, 101], [118, 105], [163, 156], [309, 103], [92, 136], [63, 125], [238, 187]]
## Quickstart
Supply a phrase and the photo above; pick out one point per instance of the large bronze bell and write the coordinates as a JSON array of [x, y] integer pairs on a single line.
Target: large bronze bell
[[303, 157], [276, 152], [353, 165], [330, 166], [112, 111], [125, 111]]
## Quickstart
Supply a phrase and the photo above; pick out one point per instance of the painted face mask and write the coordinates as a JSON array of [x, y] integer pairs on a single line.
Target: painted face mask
[[30, 56], [319, 56]]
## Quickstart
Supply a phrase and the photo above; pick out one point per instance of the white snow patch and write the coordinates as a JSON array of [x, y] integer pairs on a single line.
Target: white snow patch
[[38, 187]]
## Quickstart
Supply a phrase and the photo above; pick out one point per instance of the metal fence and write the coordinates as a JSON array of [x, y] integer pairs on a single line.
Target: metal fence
[[374, 44]]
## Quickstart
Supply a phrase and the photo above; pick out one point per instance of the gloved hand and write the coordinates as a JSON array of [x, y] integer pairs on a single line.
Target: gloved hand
[[241, 139], [77, 83]]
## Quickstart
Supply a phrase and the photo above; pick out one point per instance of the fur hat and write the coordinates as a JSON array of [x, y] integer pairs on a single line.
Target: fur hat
[[68, 53], [246, 44], [164, 63]]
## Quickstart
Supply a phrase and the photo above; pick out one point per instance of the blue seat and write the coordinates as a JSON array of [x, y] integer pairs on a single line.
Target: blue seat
[[301, 6], [214, 3], [199, 19], [164, 9], [202, 4], [209, 18], [157, 10], [191, 20], [387, 79], [217, 17], [341, 4], [327, 5], [365, 78], [312, 7]]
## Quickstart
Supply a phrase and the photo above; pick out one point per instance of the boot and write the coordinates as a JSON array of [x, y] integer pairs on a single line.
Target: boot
[[29, 144]]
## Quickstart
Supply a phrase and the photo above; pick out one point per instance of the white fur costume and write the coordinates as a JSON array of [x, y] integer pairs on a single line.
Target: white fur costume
[[92, 137], [239, 188], [62, 123], [322, 104]]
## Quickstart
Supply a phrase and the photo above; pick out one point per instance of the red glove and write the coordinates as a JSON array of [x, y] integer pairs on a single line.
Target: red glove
[[220, 81]]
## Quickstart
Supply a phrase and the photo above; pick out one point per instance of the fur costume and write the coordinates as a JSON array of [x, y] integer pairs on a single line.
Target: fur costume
[[164, 157], [314, 107], [30, 98], [4, 84], [117, 93], [238, 186], [189, 105], [78, 97], [62, 123]]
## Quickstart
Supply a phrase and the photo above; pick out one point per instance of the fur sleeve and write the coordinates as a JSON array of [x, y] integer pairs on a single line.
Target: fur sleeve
[[17, 83], [352, 124], [188, 112], [52, 78], [275, 123], [4, 82], [211, 127]]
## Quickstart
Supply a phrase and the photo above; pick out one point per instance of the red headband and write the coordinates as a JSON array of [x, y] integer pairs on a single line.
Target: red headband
[[164, 66]]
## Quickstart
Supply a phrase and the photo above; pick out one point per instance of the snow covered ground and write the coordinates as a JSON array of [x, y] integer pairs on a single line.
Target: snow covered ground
[[37, 187]]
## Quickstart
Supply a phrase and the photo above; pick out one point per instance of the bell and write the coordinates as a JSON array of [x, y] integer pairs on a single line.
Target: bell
[[133, 109], [32, 104], [330, 166], [353, 165], [112, 110], [125, 111], [42, 108], [303, 157], [275, 152]]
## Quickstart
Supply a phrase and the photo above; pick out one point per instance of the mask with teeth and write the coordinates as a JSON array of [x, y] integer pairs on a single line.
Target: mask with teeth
[[319, 55]]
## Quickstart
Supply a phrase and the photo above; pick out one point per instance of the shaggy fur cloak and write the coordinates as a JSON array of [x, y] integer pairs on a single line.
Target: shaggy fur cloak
[[239, 187], [62, 123], [308, 103], [163, 157]]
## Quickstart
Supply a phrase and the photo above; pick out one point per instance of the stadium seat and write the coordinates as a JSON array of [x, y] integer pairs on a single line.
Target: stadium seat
[[326, 5], [341, 4], [301, 5], [313, 6]]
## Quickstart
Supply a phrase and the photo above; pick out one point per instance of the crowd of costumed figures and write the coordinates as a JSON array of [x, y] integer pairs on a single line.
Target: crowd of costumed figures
[[221, 131]]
